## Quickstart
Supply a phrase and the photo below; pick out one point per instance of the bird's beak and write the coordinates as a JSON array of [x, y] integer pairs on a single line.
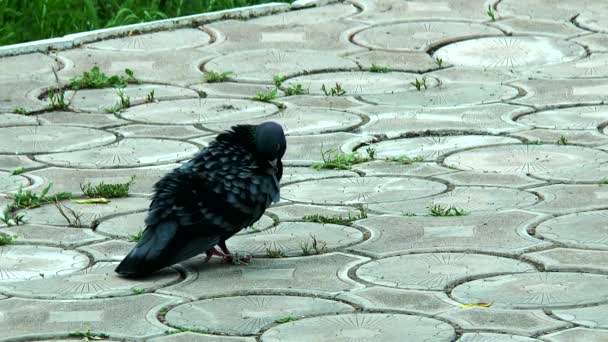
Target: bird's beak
[[273, 163]]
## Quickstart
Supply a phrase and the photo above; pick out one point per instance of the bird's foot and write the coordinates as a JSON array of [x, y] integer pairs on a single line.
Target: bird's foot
[[213, 251], [237, 258]]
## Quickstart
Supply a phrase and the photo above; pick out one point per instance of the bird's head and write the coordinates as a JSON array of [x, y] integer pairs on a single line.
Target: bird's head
[[270, 141]]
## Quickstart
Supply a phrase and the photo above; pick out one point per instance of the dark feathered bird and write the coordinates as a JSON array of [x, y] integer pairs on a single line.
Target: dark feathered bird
[[226, 187]]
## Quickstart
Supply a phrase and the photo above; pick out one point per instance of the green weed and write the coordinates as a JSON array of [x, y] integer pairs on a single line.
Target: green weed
[[212, 76], [28, 199], [70, 215], [274, 253], [20, 110], [419, 84], [12, 219], [6, 240], [57, 98], [334, 91], [339, 160], [439, 61], [95, 79], [440, 210], [150, 97], [278, 80], [138, 291], [405, 159], [563, 140], [136, 237], [378, 68], [313, 247], [491, 13], [266, 97], [17, 171], [286, 319], [295, 90], [88, 335]]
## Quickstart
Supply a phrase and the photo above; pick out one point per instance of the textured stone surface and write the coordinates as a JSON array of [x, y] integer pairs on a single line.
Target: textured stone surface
[[44, 139], [588, 117], [246, 315], [565, 259], [50, 235], [197, 337], [33, 262], [563, 199], [590, 230], [158, 41], [593, 316], [578, 334], [492, 337], [383, 298], [548, 94]]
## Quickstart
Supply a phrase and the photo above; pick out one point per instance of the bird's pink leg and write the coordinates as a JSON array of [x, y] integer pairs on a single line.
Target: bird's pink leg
[[213, 251]]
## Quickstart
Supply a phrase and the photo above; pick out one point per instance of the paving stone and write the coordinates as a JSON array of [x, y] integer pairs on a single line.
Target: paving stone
[[178, 67], [447, 95], [593, 316], [414, 61], [112, 250], [590, 230], [419, 36], [318, 274], [245, 315], [90, 214], [562, 199], [297, 122], [490, 75], [44, 139], [227, 89], [201, 111], [80, 119], [575, 118], [70, 179], [159, 131], [197, 337], [295, 239], [545, 9], [298, 174], [7, 120], [32, 262], [397, 121], [10, 182], [38, 64], [261, 65], [382, 298], [329, 102], [594, 20], [125, 153], [307, 149], [371, 327], [97, 281], [468, 178], [528, 322], [99, 100], [510, 52], [558, 29], [473, 200], [578, 137], [296, 212], [546, 94], [23, 93], [131, 317], [125, 225], [535, 290], [435, 271], [361, 190], [156, 41], [593, 66], [390, 10], [49, 235], [566, 259], [358, 83], [595, 42], [434, 147], [503, 232], [527, 159], [490, 337], [11, 162], [578, 334]]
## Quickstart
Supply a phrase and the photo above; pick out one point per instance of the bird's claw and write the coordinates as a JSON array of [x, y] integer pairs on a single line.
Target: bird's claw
[[237, 258]]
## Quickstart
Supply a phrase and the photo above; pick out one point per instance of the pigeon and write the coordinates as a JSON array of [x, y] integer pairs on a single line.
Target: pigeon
[[224, 188]]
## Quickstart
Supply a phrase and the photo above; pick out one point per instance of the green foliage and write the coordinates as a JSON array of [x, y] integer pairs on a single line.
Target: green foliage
[[11, 218], [22, 21], [371, 152], [70, 215], [334, 91], [378, 68], [28, 199], [440, 210], [20, 110], [266, 97], [136, 237], [278, 80], [604, 181], [6, 240], [212, 76], [138, 291], [17, 171], [275, 253], [150, 97], [491, 13], [94, 79], [419, 83], [439, 61], [295, 90], [88, 335], [408, 213], [57, 98], [563, 140], [405, 159], [107, 190], [286, 319], [339, 160]]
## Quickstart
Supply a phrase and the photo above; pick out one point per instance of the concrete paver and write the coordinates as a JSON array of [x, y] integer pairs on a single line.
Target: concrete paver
[[510, 119]]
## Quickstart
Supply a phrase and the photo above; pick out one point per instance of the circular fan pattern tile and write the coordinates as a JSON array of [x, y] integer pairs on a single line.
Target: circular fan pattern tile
[[300, 122], [471, 200], [583, 230], [535, 290], [361, 327], [125, 153], [99, 281], [245, 315], [524, 158], [43, 139], [357, 83], [435, 271], [296, 238], [357, 190], [510, 52], [124, 225], [201, 111], [490, 337], [595, 20], [433, 147], [419, 35], [260, 65], [157, 41], [30, 262], [10, 183], [446, 95], [568, 118]]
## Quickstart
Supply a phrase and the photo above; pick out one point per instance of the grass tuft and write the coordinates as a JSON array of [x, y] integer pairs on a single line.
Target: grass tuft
[[88, 335], [286, 319], [439, 61], [136, 237], [295, 90], [491, 13], [278, 80], [28, 199], [440, 210], [563, 140], [378, 68], [95, 78], [339, 160], [419, 83], [57, 98], [107, 190], [275, 253], [17, 171], [6, 240], [314, 246], [213, 77], [20, 110], [405, 159], [337, 90], [266, 97]]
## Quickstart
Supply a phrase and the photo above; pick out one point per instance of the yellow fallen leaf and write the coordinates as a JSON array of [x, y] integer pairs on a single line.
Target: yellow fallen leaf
[[476, 305], [100, 200]]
